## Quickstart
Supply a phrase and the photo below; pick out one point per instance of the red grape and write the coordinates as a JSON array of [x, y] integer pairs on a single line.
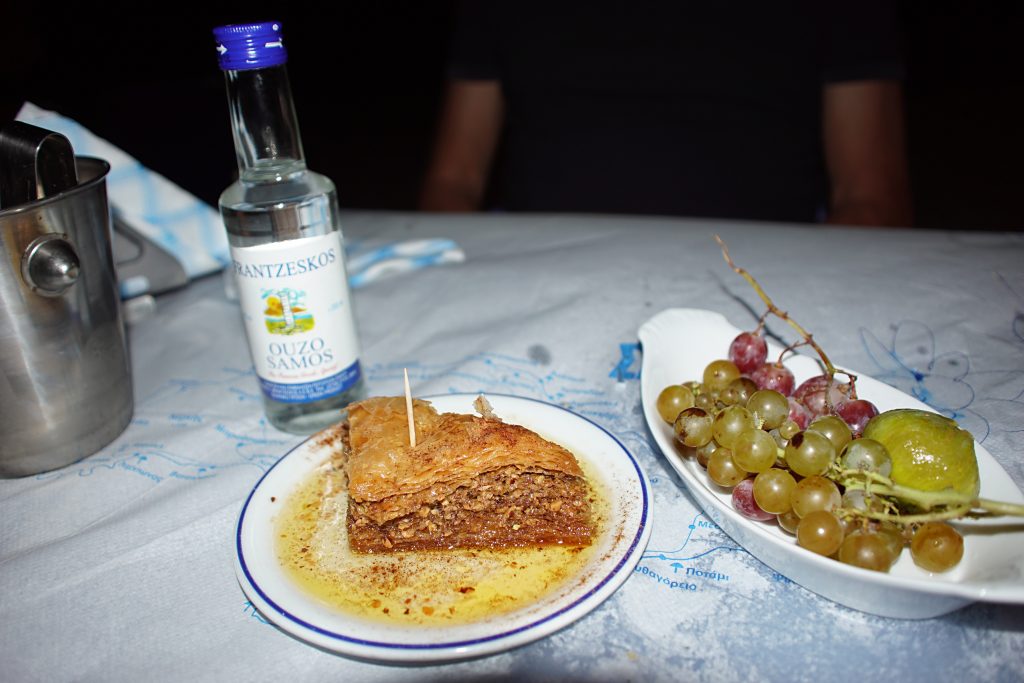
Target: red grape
[[811, 385], [798, 413], [748, 351], [815, 383], [774, 376], [743, 502], [813, 391], [856, 413]]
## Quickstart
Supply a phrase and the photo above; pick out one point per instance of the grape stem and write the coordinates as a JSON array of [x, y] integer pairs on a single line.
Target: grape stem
[[791, 349], [955, 504], [938, 516], [808, 338], [761, 322], [775, 310]]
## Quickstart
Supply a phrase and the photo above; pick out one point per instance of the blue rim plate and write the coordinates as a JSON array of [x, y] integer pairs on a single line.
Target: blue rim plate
[[619, 546]]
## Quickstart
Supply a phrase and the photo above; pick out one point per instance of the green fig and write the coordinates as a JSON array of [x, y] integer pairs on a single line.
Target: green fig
[[929, 452]]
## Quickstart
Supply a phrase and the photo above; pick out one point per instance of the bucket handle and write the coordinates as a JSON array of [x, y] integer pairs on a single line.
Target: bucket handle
[[34, 163]]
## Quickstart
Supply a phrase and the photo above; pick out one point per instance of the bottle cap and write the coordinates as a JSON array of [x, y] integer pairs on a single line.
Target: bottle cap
[[250, 46]]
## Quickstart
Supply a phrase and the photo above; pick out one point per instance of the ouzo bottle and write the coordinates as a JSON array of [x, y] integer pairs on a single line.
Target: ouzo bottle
[[286, 243]]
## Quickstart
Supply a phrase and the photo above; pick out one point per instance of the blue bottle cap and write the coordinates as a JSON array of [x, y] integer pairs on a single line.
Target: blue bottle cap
[[250, 46]]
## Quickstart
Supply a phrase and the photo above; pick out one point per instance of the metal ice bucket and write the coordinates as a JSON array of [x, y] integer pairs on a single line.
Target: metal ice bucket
[[65, 378]]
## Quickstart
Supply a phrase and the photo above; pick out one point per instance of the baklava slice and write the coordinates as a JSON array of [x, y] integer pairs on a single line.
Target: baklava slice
[[470, 482]]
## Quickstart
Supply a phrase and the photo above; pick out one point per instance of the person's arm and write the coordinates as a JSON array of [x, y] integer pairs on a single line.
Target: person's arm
[[865, 154], [468, 133]]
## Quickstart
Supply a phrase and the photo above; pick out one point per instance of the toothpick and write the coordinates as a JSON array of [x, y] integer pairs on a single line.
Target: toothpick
[[408, 410]]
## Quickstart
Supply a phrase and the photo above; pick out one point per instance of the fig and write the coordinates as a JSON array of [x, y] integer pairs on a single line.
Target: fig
[[929, 452]]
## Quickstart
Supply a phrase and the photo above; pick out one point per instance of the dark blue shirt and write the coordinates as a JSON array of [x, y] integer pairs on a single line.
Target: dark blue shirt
[[679, 108]]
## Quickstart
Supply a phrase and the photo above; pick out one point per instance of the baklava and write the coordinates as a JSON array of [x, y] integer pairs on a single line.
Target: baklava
[[471, 481]]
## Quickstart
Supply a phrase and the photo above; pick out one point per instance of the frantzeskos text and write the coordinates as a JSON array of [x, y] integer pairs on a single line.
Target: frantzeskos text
[[282, 269]]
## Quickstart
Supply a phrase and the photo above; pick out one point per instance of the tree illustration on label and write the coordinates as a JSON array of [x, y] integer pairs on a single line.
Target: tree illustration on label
[[286, 312]]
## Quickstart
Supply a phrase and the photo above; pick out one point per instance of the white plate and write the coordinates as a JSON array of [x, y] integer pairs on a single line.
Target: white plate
[[618, 548], [679, 343]]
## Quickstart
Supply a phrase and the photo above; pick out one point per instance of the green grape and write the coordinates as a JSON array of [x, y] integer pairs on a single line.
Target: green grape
[[729, 423], [719, 373], [694, 386], [866, 454], [868, 550], [704, 453], [685, 451], [936, 547], [834, 428], [673, 400], [744, 387], [729, 396], [723, 470], [893, 536], [789, 521], [809, 453], [789, 429], [814, 494], [705, 402], [820, 532], [754, 450], [693, 427], [773, 490], [769, 407]]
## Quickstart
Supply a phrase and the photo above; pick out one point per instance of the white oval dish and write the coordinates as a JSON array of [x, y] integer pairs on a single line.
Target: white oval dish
[[679, 343], [619, 546]]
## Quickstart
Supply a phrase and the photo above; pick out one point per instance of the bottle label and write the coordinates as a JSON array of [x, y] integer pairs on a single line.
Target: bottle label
[[298, 317]]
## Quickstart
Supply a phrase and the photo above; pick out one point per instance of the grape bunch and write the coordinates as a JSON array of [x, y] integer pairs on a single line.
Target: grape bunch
[[797, 455], [825, 465]]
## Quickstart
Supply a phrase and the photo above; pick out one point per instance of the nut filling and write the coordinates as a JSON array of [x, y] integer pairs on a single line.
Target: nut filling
[[507, 507]]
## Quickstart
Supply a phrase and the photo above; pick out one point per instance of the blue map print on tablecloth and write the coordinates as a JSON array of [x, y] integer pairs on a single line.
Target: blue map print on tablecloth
[[254, 613], [946, 381], [190, 403], [151, 461], [690, 562], [718, 541], [173, 388], [629, 359]]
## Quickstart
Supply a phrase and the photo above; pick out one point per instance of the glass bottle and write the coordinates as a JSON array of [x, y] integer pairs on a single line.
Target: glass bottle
[[286, 244]]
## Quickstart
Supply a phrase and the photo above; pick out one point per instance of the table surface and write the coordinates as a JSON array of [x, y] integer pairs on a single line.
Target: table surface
[[121, 566]]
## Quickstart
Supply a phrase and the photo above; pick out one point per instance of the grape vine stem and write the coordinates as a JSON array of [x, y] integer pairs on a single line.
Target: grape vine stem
[[954, 504], [775, 310]]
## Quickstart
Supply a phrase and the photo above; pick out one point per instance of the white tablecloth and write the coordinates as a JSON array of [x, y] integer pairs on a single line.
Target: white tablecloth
[[121, 567]]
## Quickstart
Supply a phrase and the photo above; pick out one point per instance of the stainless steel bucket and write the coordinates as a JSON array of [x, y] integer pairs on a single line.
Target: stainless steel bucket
[[65, 378]]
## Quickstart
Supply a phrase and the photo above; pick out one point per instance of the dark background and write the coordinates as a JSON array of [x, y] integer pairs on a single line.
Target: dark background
[[367, 79]]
